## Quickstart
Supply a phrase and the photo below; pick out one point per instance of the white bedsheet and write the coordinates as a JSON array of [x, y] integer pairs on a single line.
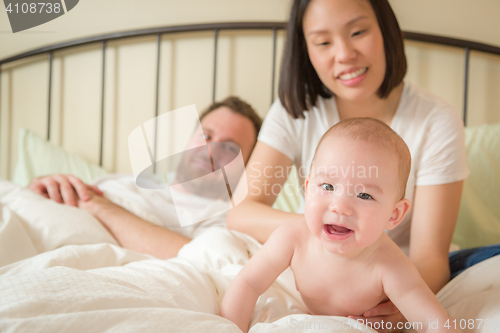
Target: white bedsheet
[[61, 271]]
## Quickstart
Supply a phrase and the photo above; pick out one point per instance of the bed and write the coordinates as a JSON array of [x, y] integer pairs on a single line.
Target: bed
[[60, 270]]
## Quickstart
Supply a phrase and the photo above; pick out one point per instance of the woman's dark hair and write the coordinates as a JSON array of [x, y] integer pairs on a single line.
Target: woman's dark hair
[[299, 84]]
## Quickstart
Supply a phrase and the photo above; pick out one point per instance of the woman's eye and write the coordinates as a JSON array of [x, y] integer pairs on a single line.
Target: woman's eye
[[357, 33], [327, 187], [365, 196], [323, 44]]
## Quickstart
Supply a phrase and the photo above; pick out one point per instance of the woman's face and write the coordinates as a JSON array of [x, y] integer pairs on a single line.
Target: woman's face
[[345, 46]]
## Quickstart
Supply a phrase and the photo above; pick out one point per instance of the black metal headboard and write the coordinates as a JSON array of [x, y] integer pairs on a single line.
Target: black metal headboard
[[467, 46]]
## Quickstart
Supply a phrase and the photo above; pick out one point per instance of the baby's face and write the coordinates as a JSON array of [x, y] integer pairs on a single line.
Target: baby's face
[[351, 194]]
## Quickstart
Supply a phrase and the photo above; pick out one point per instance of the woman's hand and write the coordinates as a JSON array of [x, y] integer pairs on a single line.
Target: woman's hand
[[66, 189], [265, 176], [384, 312]]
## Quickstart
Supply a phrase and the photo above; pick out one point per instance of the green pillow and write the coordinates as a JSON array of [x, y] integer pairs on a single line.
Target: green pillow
[[289, 198], [479, 216], [36, 157]]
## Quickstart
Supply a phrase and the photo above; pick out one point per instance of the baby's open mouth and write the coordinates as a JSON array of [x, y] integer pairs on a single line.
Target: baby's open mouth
[[333, 229]]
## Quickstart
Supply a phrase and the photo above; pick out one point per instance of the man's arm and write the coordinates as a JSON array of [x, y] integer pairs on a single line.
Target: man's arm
[[132, 232], [129, 230]]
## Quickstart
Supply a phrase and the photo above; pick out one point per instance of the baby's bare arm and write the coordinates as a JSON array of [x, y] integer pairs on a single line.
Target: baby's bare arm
[[408, 291], [258, 275]]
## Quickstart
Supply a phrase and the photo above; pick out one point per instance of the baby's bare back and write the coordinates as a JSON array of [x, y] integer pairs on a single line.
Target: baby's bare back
[[332, 285]]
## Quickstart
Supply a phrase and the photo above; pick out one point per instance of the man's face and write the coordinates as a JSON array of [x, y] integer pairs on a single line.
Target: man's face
[[225, 132]]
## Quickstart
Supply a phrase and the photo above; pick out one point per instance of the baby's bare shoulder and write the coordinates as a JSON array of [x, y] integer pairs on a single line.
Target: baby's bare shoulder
[[295, 229], [287, 238], [284, 241], [391, 259]]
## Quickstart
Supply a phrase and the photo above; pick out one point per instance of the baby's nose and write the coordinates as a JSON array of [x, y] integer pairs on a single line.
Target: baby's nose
[[341, 206]]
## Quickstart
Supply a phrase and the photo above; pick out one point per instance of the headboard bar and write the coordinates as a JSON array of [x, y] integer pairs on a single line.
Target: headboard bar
[[103, 81], [214, 81], [275, 33], [475, 46], [461, 43], [51, 58], [150, 31], [466, 83]]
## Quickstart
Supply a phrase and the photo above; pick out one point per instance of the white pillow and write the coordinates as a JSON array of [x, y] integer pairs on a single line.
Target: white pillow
[[37, 157], [31, 224]]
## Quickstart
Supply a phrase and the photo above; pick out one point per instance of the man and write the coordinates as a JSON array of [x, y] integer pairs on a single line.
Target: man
[[230, 121]]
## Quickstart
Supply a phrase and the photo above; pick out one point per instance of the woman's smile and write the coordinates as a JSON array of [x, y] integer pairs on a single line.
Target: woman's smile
[[353, 78]]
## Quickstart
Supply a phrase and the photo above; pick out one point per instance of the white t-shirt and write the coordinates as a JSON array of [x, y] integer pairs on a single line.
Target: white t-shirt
[[431, 128], [157, 205]]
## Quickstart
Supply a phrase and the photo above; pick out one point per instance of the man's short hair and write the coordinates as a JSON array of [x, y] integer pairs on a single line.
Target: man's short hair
[[239, 106], [375, 131]]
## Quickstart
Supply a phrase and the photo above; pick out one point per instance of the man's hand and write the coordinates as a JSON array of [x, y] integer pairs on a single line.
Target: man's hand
[[95, 204], [386, 312], [66, 189]]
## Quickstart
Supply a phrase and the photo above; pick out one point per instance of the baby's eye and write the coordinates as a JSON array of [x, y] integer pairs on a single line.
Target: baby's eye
[[365, 196], [206, 136], [328, 187]]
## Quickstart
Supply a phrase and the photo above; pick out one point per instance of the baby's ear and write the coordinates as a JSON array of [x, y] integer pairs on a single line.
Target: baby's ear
[[399, 212]]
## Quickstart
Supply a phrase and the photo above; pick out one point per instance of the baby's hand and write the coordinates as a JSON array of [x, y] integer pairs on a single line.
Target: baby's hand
[[385, 312]]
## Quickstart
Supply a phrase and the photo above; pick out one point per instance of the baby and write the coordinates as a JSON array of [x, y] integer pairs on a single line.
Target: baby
[[341, 258]]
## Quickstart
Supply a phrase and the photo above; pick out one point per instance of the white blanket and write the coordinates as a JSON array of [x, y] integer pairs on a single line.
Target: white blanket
[[61, 271]]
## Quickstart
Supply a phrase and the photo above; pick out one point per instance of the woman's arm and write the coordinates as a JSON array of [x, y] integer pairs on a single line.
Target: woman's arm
[[266, 172], [132, 232], [434, 217]]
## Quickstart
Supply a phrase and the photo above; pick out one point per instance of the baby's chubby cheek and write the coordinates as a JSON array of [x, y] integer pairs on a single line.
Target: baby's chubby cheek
[[366, 234], [313, 216], [313, 207]]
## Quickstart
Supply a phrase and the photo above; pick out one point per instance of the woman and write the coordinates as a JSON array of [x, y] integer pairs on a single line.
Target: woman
[[345, 59]]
